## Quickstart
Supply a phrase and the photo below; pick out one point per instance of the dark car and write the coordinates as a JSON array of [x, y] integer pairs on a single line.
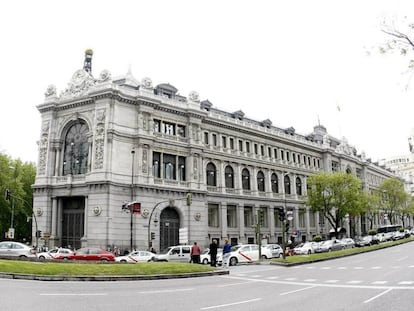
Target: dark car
[[91, 253]]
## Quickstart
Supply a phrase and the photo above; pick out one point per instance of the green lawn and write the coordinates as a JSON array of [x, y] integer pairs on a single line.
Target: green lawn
[[298, 259], [91, 269]]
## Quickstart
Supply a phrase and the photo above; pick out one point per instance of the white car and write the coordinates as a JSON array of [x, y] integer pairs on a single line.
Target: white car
[[55, 254], [306, 248], [205, 256], [136, 256], [275, 249], [348, 242], [247, 253], [16, 249]]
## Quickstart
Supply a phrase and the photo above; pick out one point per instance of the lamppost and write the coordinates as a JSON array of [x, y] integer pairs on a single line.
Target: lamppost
[[132, 199], [12, 202]]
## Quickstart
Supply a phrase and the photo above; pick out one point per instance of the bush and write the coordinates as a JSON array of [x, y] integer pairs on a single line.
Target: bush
[[317, 238], [401, 229], [372, 232]]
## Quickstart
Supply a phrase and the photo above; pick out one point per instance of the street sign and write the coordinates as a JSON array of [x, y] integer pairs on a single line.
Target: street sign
[[10, 234]]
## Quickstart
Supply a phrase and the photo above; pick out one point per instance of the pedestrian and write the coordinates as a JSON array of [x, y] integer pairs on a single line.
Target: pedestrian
[[213, 253], [195, 253], [226, 254]]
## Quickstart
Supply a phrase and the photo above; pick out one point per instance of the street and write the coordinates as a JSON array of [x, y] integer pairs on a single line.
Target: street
[[380, 280]]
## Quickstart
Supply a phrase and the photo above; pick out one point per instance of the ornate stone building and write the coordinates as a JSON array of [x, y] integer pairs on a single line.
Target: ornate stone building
[[106, 141]]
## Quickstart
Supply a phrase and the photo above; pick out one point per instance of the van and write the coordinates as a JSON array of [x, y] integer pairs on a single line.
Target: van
[[175, 253]]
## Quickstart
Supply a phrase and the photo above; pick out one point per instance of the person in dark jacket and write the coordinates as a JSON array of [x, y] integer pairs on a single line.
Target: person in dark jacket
[[213, 253]]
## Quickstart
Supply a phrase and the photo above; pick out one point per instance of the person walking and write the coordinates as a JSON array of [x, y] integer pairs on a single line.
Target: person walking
[[195, 253], [213, 253], [226, 254]]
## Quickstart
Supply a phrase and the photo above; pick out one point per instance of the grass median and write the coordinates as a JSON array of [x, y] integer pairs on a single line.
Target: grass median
[[99, 269], [302, 259]]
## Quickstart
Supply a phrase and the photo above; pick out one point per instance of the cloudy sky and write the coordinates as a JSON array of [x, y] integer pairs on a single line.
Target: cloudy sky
[[294, 62]]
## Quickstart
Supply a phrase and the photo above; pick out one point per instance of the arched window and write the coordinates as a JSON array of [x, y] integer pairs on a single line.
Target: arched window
[[298, 186], [260, 181], [75, 158], [246, 179], [287, 184], [228, 171], [275, 183], [348, 170], [211, 174]]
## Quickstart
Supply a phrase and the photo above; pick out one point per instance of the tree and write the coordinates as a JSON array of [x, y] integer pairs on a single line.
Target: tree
[[335, 195], [394, 198]]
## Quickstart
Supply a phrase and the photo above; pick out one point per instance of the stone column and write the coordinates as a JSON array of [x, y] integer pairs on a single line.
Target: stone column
[[224, 220], [53, 229], [241, 222]]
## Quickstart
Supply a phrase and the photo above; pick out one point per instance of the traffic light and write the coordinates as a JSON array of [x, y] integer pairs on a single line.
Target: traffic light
[[38, 234], [281, 214], [189, 199], [152, 235], [287, 227], [7, 196]]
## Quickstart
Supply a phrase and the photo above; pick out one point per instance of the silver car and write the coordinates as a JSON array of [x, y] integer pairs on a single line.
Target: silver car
[[16, 249]]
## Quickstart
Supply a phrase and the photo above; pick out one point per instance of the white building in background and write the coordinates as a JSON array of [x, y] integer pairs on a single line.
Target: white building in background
[[403, 166], [105, 141]]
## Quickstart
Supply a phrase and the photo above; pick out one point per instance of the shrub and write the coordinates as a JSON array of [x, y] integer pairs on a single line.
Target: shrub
[[372, 232], [401, 229], [317, 238]]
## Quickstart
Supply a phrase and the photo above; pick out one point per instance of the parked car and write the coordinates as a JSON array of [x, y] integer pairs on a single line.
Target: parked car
[[175, 253], [275, 249], [136, 256], [329, 245], [247, 253], [205, 256], [306, 248], [348, 242], [398, 235], [55, 254], [90, 253], [364, 241], [16, 249]]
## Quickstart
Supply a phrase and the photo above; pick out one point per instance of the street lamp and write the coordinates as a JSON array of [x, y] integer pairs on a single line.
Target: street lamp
[[12, 202], [132, 199]]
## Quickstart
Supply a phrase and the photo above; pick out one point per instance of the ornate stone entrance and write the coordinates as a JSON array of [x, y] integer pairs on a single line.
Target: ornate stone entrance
[[73, 218], [169, 228]]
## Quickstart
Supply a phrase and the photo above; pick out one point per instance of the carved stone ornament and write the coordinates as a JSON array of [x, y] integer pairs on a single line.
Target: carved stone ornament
[[146, 83], [197, 216], [145, 213], [39, 211], [97, 210], [79, 84], [50, 91], [194, 96]]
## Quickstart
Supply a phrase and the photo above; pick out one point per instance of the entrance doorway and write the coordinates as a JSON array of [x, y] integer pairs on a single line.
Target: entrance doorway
[[169, 227], [73, 218]]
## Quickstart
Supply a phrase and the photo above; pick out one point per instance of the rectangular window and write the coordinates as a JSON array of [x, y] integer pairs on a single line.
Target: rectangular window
[[312, 222], [169, 166], [213, 215], [256, 151], [181, 168], [248, 216], [294, 157], [302, 218], [156, 168], [169, 128], [157, 125], [247, 147], [240, 145], [275, 153], [278, 223], [262, 150], [214, 137], [335, 166], [231, 216], [269, 152], [282, 154], [287, 156], [224, 141], [206, 138], [231, 143], [264, 220]]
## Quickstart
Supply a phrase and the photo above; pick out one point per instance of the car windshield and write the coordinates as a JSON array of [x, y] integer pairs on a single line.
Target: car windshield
[[165, 250]]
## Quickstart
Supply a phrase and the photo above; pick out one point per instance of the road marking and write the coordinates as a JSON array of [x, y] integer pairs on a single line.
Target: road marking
[[406, 282], [325, 268], [342, 268], [354, 282], [290, 279], [231, 304], [379, 282], [310, 280], [166, 291], [375, 268], [332, 281], [402, 258], [379, 295], [67, 294], [295, 291], [234, 284], [273, 277]]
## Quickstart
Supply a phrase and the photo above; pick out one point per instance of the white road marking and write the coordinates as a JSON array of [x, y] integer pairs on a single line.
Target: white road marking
[[295, 291], [290, 279], [406, 283], [231, 304], [342, 268], [68, 294], [166, 291], [402, 258], [375, 268], [354, 282], [310, 280], [325, 268], [332, 281], [379, 295], [379, 282], [273, 277], [235, 284]]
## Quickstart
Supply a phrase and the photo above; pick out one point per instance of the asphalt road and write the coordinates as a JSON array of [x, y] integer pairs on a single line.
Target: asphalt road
[[380, 280]]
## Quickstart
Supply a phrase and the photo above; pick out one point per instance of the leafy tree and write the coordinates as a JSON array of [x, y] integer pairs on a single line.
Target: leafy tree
[[18, 177], [335, 195], [407, 211], [394, 198]]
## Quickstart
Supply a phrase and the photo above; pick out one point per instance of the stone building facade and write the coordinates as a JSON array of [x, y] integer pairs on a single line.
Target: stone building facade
[[107, 141]]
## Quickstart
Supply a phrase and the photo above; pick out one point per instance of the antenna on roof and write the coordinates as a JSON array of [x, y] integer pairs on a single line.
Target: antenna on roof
[[319, 121], [87, 65]]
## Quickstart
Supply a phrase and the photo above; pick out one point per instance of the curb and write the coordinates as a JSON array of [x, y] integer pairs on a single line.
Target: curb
[[37, 277]]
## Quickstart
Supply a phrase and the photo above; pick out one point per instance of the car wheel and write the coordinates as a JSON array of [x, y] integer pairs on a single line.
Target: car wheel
[[264, 257], [104, 259], [42, 258], [65, 259], [233, 261], [22, 256], [123, 261], [205, 261]]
